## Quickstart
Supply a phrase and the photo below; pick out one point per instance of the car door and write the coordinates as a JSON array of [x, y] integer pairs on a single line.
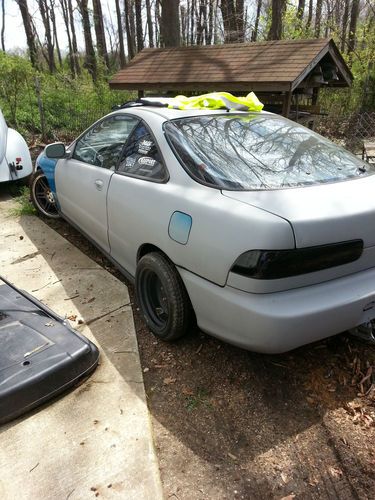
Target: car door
[[137, 197], [82, 179]]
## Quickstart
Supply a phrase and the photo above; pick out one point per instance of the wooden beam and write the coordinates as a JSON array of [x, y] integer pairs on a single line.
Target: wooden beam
[[286, 104], [202, 86]]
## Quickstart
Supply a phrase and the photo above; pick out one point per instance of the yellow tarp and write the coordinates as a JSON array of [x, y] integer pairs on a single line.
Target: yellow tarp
[[218, 100]]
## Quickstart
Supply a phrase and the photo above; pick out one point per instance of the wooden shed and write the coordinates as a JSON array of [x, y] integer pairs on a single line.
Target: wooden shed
[[285, 74]]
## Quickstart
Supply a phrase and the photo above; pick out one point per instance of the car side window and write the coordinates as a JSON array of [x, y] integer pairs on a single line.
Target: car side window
[[102, 144], [141, 157]]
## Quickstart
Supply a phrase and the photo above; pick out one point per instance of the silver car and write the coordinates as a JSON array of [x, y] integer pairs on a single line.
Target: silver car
[[261, 229]]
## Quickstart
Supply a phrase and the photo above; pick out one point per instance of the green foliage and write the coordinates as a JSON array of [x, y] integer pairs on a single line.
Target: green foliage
[[69, 105], [24, 205]]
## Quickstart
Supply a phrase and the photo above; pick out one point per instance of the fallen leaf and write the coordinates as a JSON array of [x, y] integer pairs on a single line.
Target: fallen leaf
[[72, 317], [169, 380]]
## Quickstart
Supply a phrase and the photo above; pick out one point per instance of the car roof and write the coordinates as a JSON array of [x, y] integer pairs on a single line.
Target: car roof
[[172, 114]]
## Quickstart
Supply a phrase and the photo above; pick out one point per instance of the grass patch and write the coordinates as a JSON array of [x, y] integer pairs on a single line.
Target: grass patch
[[24, 205], [199, 399]]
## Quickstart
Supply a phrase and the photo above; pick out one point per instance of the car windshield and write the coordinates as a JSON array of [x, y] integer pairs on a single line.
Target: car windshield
[[258, 151]]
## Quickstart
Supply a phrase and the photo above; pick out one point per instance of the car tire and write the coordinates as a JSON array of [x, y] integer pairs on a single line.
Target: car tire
[[162, 297], [41, 195]]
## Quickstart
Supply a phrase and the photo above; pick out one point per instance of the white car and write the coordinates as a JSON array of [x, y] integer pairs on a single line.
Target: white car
[[15, 160], [261, 228]]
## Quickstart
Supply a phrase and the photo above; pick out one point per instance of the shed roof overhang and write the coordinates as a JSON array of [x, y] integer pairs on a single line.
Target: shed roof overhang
[[275, 66]]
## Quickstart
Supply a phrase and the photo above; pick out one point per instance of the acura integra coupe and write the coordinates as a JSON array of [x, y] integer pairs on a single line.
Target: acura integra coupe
[[261, 229]]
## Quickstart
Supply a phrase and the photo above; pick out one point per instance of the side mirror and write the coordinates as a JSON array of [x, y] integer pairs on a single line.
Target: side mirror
[[56, 150]]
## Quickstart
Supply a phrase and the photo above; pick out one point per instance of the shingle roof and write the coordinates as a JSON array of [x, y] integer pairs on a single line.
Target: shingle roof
[[261, 65]]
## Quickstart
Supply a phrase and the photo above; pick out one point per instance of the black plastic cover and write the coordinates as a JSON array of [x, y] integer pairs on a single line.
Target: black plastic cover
[[40, 354]]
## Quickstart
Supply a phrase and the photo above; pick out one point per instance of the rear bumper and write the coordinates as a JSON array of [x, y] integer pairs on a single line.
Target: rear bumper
[[279, 322]]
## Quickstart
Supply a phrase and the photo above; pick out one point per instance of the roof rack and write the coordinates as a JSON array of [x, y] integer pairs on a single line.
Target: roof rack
[[140, 102]]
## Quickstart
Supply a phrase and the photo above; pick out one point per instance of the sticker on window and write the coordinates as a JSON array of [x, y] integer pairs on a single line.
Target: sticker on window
[[129, 162], [145, 147], [146, 160]]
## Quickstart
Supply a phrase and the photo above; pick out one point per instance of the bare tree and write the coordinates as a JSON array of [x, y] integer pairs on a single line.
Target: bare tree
[[29, 32], [90, 59], [353, 26], [233, 19], [310, 14], [300, 9], [318, 17], [254, 34], [100, 31], [170, 23], [120, 34], [138, 23], [52, 6], [150, 27], [74, 38], [3, 25], [344, 25], [130, 39], [278, 8], [48, 34]]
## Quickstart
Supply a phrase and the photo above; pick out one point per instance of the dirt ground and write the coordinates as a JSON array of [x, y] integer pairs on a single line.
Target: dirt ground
[[233, 424]]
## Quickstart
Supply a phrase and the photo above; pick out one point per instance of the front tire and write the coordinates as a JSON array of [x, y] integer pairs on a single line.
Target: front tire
[[42, 197], [162, 297]]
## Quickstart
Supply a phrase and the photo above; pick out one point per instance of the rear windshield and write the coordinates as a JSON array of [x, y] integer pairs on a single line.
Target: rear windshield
[[257, 151]]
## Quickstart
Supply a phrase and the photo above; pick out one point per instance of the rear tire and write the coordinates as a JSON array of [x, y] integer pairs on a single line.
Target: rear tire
[[162, 297], [42, 196]]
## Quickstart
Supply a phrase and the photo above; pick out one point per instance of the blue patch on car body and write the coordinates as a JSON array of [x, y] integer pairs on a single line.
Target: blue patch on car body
[[179, 227], [48, 165]]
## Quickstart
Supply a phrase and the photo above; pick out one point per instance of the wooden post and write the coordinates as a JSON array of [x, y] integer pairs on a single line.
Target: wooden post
[[314, 99], [141, 93], [286, 104]]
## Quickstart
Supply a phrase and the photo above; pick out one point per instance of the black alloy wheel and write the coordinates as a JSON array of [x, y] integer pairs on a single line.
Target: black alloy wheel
[[42, 196]]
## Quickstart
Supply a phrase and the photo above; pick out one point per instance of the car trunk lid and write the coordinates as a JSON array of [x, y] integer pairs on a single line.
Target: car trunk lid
[[322, 214]]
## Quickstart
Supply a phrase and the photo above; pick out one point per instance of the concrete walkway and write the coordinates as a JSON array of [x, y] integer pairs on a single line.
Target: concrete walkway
[[95, 441]]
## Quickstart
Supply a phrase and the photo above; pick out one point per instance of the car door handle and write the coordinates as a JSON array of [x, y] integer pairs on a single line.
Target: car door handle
[[99, 184]]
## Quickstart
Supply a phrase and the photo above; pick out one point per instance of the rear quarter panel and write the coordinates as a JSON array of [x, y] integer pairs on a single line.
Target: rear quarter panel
[[139, 212]]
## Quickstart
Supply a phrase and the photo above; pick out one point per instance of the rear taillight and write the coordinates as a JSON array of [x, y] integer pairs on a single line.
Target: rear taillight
[[275, 264]]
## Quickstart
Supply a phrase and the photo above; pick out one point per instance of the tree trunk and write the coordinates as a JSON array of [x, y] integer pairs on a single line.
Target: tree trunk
[[3, 25], [77, 67], [170, 23], [101, 43], [318, 17], [233, 20], [150, 27], [55, 39], [353, 26], [309, 17], [344, 25], [120, 34], [90, 59], [276, 29], [138, 23], [29, 32], [157, 23], [254, 34], [45, 14], [211, 12], [129, 38], [65, 13], [192, 21], [300, 9]]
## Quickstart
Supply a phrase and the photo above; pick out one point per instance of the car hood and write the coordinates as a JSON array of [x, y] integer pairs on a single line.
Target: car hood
[[321, 214]]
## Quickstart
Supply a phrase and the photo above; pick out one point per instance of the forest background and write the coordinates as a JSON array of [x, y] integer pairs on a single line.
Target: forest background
[[55, 84]]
